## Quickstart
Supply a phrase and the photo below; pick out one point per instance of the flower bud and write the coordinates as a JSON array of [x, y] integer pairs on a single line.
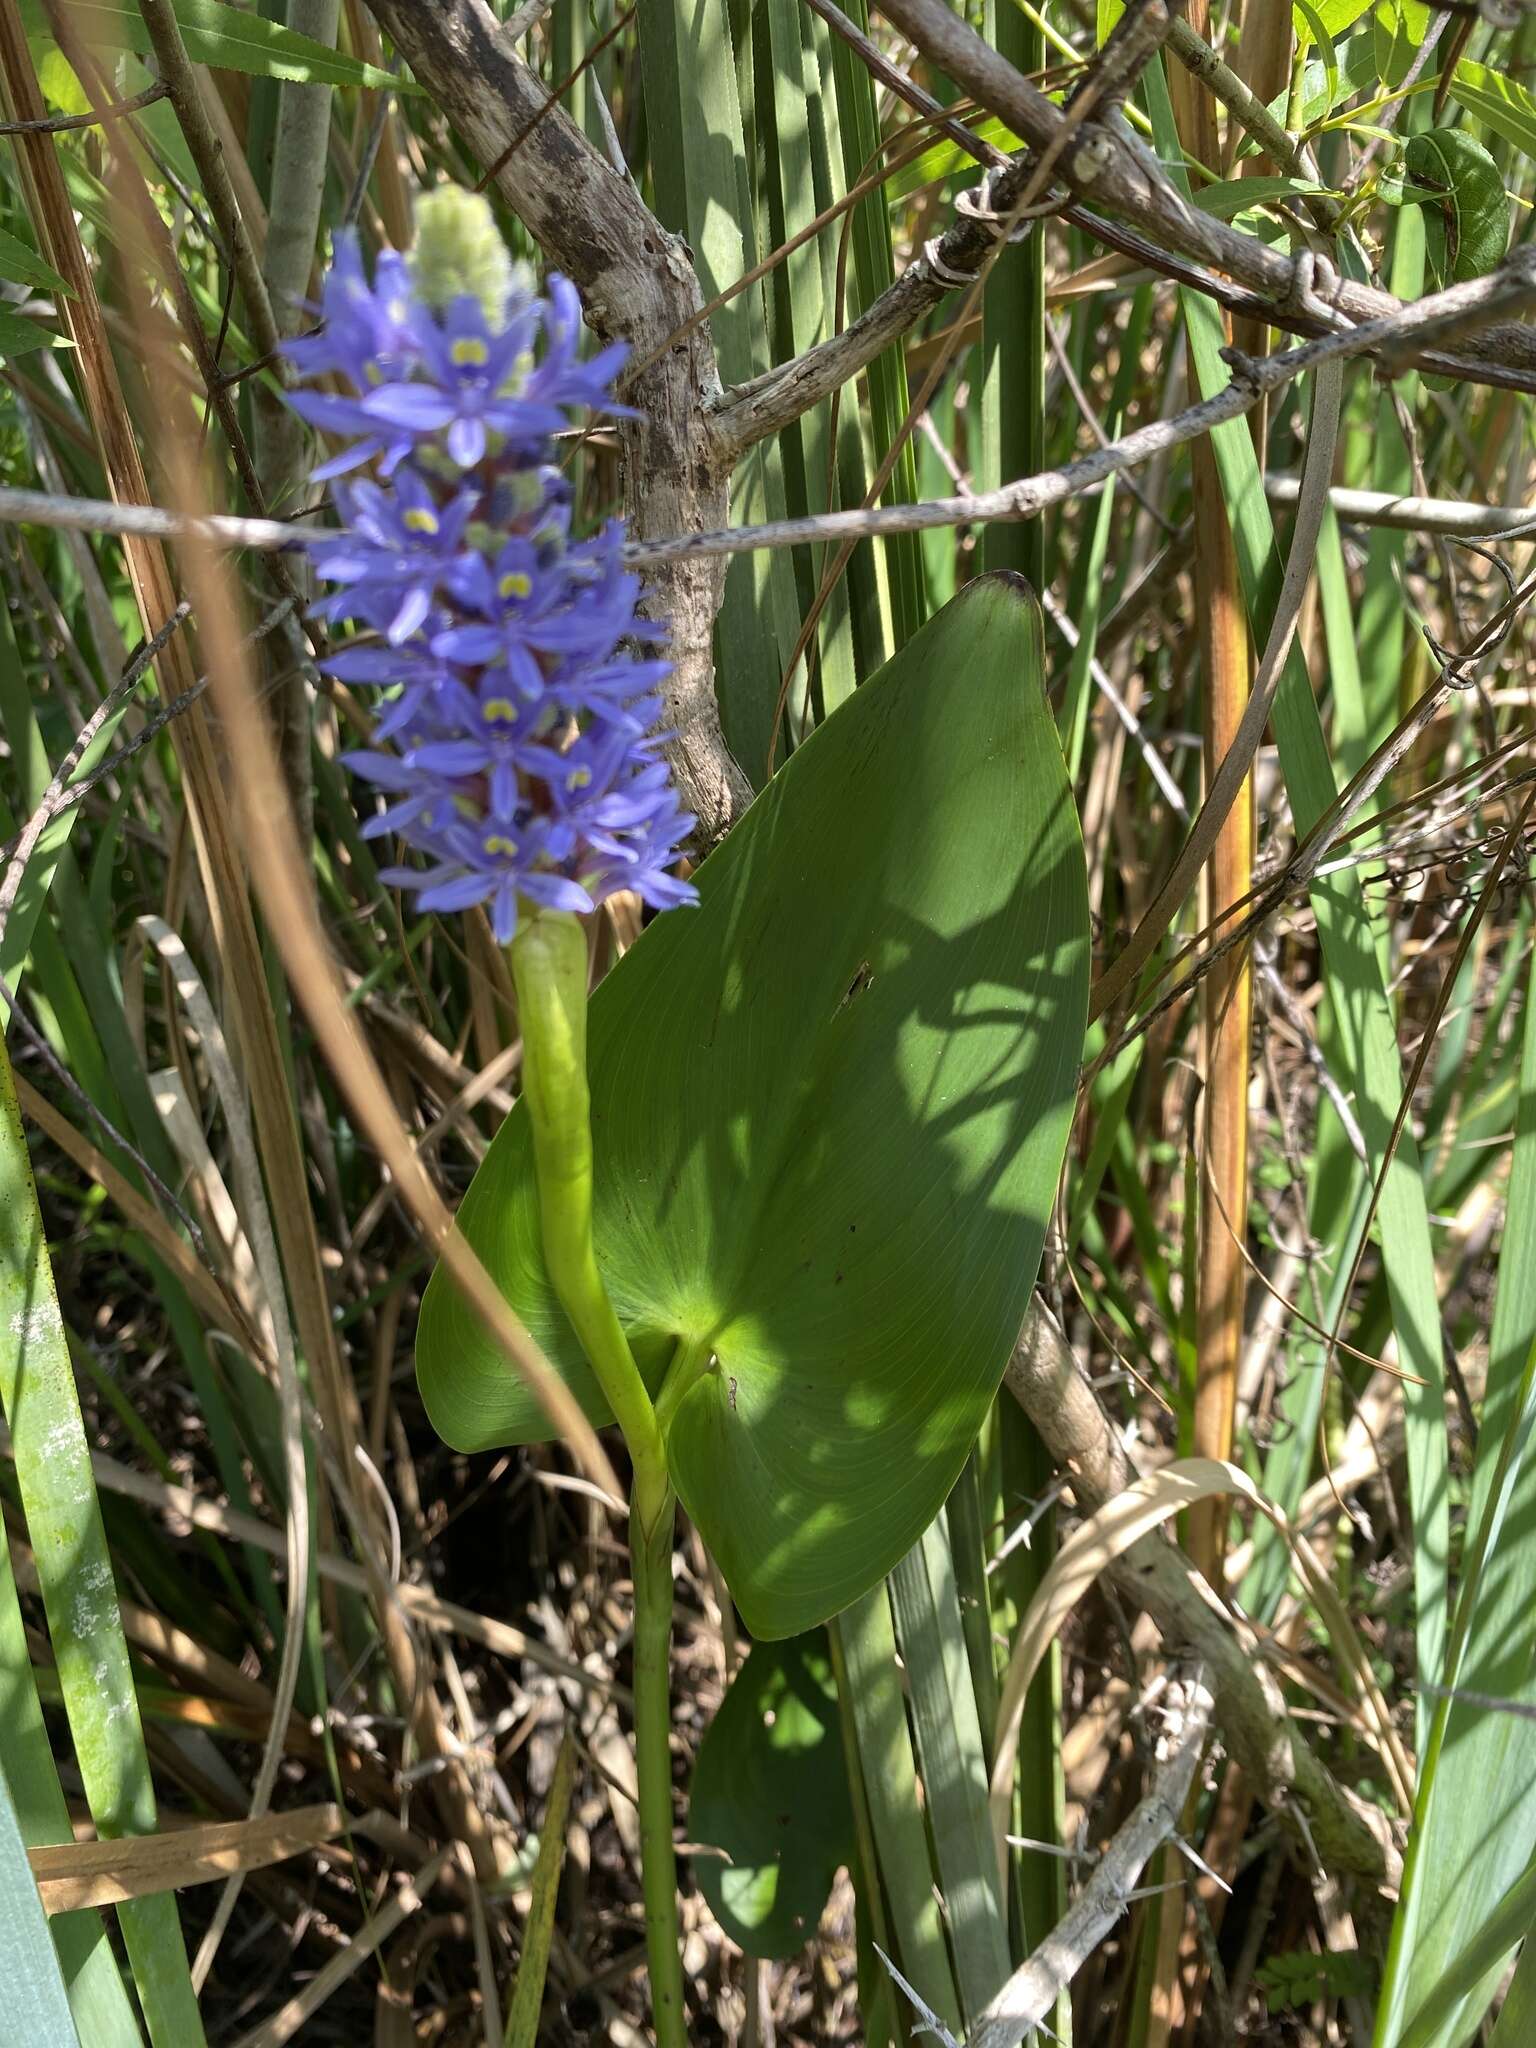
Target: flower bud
[[459, 253]]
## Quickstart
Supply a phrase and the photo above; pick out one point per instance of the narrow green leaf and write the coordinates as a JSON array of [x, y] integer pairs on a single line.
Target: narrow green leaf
[[1039, 1881], [873, 270], [1323, 89], [699, 168], [58, 1493], [1500, 103], [1398, 28], [98, 1997], [790, 143], [522, 2030], [36, 2003], [944, 159], [1013, 350], [1474, 1828], [1314, 29], [954, 1765], [228, 38], [18, 335], [866, 605], [23, 265], [1516, 2024], [829, 1109], [1333, 15], [1233, 196], [871, 1685], [1367, 1026], [1500, 1928]]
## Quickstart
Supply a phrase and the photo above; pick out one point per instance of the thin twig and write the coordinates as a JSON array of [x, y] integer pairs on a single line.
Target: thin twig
[[1030, 1993], [52, 799], [59, 124], [1114, 171], [1458, 308]]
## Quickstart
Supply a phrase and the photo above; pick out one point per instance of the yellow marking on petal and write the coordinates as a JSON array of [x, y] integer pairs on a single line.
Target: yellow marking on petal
[[469, 348], [501, 708], [515, 584], [417, 519], [494, 842], [578, 778]]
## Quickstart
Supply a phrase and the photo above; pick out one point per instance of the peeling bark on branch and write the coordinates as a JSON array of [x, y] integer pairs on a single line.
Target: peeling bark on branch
[[637, 282]]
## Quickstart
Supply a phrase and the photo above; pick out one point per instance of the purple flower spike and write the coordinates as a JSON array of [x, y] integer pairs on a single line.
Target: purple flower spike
[[516, 746]]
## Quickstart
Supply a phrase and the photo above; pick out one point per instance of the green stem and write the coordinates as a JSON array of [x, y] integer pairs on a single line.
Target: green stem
[[651, 1556], [549, 971]]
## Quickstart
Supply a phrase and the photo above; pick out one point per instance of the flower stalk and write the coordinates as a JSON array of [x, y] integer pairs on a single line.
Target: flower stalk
[[549, 973], [517, 751]]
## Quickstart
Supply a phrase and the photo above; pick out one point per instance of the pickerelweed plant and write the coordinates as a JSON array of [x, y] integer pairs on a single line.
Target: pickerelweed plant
[[517, 746]]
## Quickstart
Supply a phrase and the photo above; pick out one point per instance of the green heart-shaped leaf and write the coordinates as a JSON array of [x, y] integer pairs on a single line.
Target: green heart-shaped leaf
[[829, 1109], [770, 1789], [1466, 220]]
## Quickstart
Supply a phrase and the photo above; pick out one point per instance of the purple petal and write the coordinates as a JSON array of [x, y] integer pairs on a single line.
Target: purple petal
[[463, 893], [466, 440], [414, 608], [416, 407]]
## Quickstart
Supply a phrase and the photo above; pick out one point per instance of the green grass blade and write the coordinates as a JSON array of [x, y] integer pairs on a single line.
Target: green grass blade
[[53, 1472], [1475, 1825], [867, 1642], [1476, 1970], [872, 271], [1013, 347], [1380, 627], [37, 2005], [954, 1765], [227, 38], [790, 140], [1516, 2024], [863, 597], [538, 1928], [98, 1997], [699, 168]]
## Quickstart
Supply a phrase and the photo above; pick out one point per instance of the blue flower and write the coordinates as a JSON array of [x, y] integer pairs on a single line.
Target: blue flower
[[496, 859], [399, 548], [427, 804], [472, 386], [516, 747], [364, 331], [560, 379]]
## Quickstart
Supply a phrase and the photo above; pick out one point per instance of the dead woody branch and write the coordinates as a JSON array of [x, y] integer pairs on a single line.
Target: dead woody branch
[[1025, 2001], [1047, 1382]]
